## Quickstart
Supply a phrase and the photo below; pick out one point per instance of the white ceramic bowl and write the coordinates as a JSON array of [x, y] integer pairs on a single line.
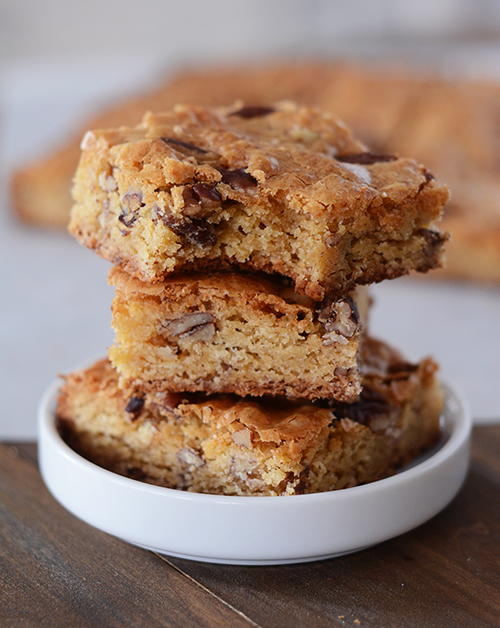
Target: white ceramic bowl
[[256, 530]]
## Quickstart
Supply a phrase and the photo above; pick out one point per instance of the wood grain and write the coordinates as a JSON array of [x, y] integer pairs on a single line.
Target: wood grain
[[445, 573], [56, 570]]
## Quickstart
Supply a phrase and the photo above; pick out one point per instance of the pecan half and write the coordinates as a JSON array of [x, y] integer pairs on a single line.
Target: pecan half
[[340, 320], [198, 325]]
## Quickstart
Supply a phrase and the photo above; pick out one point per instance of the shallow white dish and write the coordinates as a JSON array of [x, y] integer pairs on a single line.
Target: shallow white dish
[[256, 530]]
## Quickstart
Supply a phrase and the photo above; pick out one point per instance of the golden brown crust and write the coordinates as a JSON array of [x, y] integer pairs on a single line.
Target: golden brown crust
[[224, 444], [272, 422], [283, 189], [449, 125], [235, 333], [251, 285], [294, 152]]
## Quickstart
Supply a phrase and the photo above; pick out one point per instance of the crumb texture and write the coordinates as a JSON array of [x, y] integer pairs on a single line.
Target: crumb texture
[[228, 445], [282, 189], [236, 334]]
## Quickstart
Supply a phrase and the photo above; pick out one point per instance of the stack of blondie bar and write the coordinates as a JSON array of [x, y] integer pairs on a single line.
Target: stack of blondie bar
[[242, 364]]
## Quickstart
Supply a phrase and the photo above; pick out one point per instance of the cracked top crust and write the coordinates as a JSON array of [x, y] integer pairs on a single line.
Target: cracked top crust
[[294, 155]]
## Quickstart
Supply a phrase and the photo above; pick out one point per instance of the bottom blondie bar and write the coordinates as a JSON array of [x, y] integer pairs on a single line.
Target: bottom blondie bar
[[240, 446]]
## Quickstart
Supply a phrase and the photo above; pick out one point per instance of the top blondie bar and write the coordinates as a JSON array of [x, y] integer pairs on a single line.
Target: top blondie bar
[[280, 189]]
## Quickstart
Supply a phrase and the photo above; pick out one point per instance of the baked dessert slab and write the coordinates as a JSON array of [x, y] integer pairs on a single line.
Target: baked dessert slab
[[449, 125], [452, 127], [229, 445], [238, 334], [280, 189], [475, 254]]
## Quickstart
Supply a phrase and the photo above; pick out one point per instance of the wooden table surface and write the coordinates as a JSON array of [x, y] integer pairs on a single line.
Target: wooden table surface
[[57, 571]]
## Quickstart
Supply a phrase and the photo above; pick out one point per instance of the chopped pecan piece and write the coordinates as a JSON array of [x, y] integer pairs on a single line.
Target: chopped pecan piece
[[340, 320], [196, 231], [238, 179], [207, 194], [254, 111], [131, 201], [134, 407], [130, 204], [190, 199], [434, 241], [190, 457], [199, 198], [365, 159], [197, 325], [185, 145], [127, 220], [371, 407]]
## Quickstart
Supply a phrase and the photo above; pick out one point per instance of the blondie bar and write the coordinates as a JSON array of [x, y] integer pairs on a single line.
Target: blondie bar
[[228, 445], [235, 333], [448, 124], [280, 189]]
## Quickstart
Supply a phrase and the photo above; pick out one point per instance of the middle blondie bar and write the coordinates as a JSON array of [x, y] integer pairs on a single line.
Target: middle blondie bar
[[232, 333]]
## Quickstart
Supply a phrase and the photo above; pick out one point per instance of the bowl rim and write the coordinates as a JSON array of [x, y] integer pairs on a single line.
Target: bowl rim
[[461, 427]]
